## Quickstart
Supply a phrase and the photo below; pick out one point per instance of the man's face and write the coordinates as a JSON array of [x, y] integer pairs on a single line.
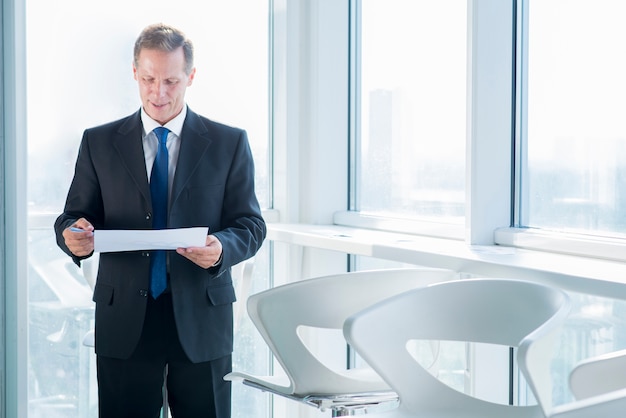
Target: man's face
[[162, 82]]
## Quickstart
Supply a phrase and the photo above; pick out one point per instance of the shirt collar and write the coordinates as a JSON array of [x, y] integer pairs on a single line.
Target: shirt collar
[[175, 125]]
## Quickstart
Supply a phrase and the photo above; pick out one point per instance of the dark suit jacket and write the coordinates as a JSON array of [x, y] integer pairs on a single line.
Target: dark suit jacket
[[213, 186]]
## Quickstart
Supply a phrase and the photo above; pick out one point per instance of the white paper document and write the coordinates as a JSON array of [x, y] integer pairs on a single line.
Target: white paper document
[[106, 241]]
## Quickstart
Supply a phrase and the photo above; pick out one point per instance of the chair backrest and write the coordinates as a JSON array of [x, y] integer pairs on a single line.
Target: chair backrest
[[598, 384], [494, 311], [599, 375], [608, 405], [325, 302], [534, 357]]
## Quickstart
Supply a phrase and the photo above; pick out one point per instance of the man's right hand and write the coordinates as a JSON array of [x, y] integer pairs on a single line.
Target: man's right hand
[[79, 238]]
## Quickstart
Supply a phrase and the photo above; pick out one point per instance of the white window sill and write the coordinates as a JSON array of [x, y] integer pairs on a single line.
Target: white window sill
[[586, 246], [591, 275]]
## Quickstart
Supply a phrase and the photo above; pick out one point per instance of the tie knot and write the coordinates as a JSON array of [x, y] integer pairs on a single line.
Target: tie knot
[[161, 133]]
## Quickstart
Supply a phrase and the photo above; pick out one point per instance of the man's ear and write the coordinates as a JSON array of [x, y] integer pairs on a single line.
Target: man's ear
[[192, 74]]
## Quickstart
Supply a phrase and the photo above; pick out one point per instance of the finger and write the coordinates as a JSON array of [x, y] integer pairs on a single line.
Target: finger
[[83, 224], [197, 257]]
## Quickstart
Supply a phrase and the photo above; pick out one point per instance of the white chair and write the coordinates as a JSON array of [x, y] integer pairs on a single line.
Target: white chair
[[90, 273], [599, 375], [598, 383], [492, 311], [325, 302]]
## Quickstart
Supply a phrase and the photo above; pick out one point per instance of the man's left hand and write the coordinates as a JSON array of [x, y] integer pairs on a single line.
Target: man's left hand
[[205, 256]]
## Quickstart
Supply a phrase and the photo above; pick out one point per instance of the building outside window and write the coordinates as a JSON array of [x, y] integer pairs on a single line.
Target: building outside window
[[572, 148], [411, 109], [573, 136]]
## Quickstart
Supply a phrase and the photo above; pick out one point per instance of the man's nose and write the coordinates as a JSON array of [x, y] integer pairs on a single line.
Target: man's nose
[[159, 88]]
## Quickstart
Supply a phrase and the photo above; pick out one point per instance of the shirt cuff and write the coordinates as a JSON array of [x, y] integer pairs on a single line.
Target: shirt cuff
[[219, 260]]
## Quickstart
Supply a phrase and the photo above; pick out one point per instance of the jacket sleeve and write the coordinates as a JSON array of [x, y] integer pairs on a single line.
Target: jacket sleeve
[[243, 228], [83, 199]]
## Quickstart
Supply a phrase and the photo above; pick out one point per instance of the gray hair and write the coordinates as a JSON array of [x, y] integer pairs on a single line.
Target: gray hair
[[164, 38]]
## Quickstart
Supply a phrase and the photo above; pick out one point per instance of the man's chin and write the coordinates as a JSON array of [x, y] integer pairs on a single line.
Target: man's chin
[[160, 114]]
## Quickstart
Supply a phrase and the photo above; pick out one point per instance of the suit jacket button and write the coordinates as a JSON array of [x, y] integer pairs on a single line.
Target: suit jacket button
[[148, 216], [143, 292]]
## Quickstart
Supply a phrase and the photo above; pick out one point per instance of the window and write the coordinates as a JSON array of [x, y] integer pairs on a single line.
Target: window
[[571, 144], [411, 102], [79, 75], [573, 139]]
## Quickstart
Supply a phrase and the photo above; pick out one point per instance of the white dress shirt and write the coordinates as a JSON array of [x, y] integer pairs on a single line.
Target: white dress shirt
[[151, 143]]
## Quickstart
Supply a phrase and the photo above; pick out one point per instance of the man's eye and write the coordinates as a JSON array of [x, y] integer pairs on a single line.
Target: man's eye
[[170, 82]]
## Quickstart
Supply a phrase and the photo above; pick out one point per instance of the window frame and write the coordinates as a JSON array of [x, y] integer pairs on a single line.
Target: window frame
[[540, 239], [13, 399], [496, 133], [490, 69]]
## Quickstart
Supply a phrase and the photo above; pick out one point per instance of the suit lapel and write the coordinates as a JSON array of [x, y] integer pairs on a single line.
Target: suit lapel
[[128, 143], [194, 143]]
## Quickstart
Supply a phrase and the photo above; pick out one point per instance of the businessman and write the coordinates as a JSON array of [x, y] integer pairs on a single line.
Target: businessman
[[163, 311]]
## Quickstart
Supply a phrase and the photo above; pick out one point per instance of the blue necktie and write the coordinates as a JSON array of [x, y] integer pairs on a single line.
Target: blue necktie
[[158, 190]]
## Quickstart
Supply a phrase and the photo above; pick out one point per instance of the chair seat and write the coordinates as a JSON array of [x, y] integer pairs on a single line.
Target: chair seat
[[280, 385], [366, 379], [379, 393]]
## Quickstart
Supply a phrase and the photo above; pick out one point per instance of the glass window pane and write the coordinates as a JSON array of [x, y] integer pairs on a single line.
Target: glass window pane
[[412, 101], [594, 327], [576, 139], [79, 74]]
